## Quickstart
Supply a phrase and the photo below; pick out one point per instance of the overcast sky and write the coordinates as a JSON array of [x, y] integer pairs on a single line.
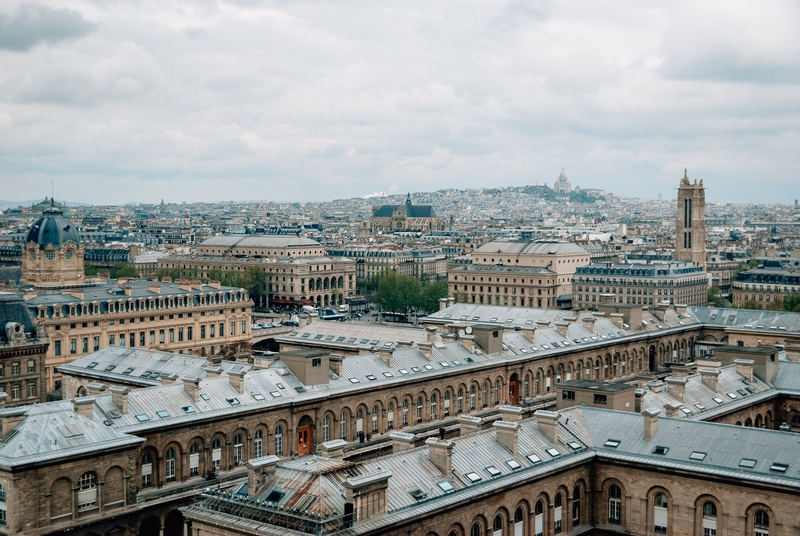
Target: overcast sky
[[119, 101]]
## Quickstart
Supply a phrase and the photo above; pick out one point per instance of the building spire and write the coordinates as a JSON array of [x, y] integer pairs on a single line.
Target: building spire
[[685, 173]]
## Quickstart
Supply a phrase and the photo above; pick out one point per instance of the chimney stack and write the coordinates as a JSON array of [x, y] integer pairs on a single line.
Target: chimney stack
[[333, 449], [84, 406], [507, 434], [192, 387], [745, 368], [426, 348], [10, 419], [3, 398], [529, 333], [96, 388], [335, 363], [442, 304], [618, 319], [212, 372], [386, 356], [512, 413], [430, 333], [259, 471], [169, 379], [562, 328], [650, 423], [710, 377], [588, 323], [236, 377], [672, 409], [401, 441], [405, 343], [548, 423], [677, 386], [119, 396], [441, 452], [469, 343], [637, 405], [367, 494], [469, 424]]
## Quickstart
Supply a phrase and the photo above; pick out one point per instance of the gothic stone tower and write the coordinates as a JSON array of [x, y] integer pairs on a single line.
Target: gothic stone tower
[[690, 228]]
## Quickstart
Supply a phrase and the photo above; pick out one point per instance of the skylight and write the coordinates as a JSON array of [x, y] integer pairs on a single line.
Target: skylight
[[428, 367], [258, 396], [233, 401], [574, 446], [513, 464], [142, 417], [416, 369], [473, 477], [354, 380], [371, 378], [403, 371], [779, 467], [205, 396], [388, 374], [732, 396], [718, 400], [553, 452], [275, 394], [446, 487], [747, 462], [660, 450], [699, 456], [492, 470], [611, 443], [188, 409], [162, 414], [91, 365], [444, 363], [534, 458]]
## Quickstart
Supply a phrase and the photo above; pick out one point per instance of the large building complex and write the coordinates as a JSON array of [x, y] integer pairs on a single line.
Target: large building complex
[[419, 262], [766, 285], [22, 353], [405, 217], [639, 284]]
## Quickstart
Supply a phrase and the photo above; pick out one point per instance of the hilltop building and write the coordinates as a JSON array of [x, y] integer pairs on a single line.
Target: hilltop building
[[562, 184]]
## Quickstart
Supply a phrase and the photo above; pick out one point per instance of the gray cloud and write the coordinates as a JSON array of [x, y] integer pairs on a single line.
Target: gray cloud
[[33, 24]]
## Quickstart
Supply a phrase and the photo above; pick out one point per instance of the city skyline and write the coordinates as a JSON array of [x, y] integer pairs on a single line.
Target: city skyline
[[302, 102]]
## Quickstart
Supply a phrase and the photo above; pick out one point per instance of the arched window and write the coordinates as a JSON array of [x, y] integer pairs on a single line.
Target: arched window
[[390, 415], [447, 403], [169, 465], [537, 383], [343, 426], [216, 455], [475, 530], [87, 491], [538, 518], [472, 398], [258, 444], [147, 470], [558, 505], [709, 519], [576, 507], [238, 449], [460, 401], [326, 428], [375, 419], [419, 409], [405, 412], [614, 505], [433, 406], [519, 522], [761, 523], [194, 459], [526, 386], [496, 392], [279, 440], [484, 394], [359, 421], [660, 514], [497, 526]]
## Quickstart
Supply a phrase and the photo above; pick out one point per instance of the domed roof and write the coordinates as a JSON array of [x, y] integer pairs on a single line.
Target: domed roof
[[53, 228], [562, 175]]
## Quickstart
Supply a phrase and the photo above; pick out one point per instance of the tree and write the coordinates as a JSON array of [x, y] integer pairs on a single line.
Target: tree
[[122, 269], [398, 292], [791, 303], [90, 269], [751, 304], [431, 294], [714, 297], [775, 306]]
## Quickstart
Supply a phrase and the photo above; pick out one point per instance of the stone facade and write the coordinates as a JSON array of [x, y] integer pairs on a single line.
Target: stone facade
[[690, 226]]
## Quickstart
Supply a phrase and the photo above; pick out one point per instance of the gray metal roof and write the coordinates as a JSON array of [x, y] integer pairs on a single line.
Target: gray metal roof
[[259, 241], [539, 247], [749, 319]]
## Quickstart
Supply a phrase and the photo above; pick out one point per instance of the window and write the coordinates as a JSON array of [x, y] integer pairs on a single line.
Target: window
[[761, 523], [568, 395], [405, 412], [433, 406], [475, 530], [258, 444], [3, 508], [472, 398], [497, 526], [169, 466], [614, 505], [709, 519], [15, 391], [216, 455], [194, 459], [660, 514], [279, 440], [600, 399], [419, 409], [326, 428], [57, 348], [147, 470], [97, 344], [31, 386], [375, 412], [87, 491], [343, 426], [538, 519], [576, 507], [238, 449], [519, 522], [73, 347], [496, 392], [390, 415]]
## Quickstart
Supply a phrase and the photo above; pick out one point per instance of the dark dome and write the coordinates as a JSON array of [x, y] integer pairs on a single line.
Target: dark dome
[[53, 228]]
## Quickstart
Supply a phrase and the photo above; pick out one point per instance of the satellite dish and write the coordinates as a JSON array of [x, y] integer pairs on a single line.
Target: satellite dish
[[469, 330], [461, 333]]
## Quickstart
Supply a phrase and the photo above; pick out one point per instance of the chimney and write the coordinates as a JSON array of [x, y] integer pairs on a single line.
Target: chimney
[[365, 349], [562, 328], [333, 449], [386, 356], [507, 434], [548, 423], [679, 371], [680, 309], [10, 418], [96, 388], [185, 284], [367, 494], [405, 343], [542, 323], [672, 409], [529, 333], [335, 362], [512, 413], [154, 288], [259, 471], [677, 386], [588, 323], [236, 377], [212, 372], [119, 396], [618, 319], [642, 378], [84, 406], [426, 348], [656, 385], [637, 405], [710, 377], [214, 283], [169, 379], [430, 332], [745, 368], [401, 441], [442, 304], [650, 423], [469, 343], [441, 453], [192, 387], [469, 424], [312, 317]]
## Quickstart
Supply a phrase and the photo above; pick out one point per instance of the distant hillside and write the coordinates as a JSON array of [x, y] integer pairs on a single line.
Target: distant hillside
[[547, 193], [15, 204]]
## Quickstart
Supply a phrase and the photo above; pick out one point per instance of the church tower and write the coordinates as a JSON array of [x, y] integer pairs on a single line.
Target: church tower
[[53, 254], [690, 227]]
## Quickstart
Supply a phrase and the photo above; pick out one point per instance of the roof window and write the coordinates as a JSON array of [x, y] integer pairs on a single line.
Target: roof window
[[534, 459], [492, 470], [748, 463], [698, 456], [611, 443], [513, 464], [779, 467], [258, 396], [233, 401], [354, 380], [188, 410], [553, 452], [162, 414], [660, 450], [142, 417], [445, 486], [473, 477]]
